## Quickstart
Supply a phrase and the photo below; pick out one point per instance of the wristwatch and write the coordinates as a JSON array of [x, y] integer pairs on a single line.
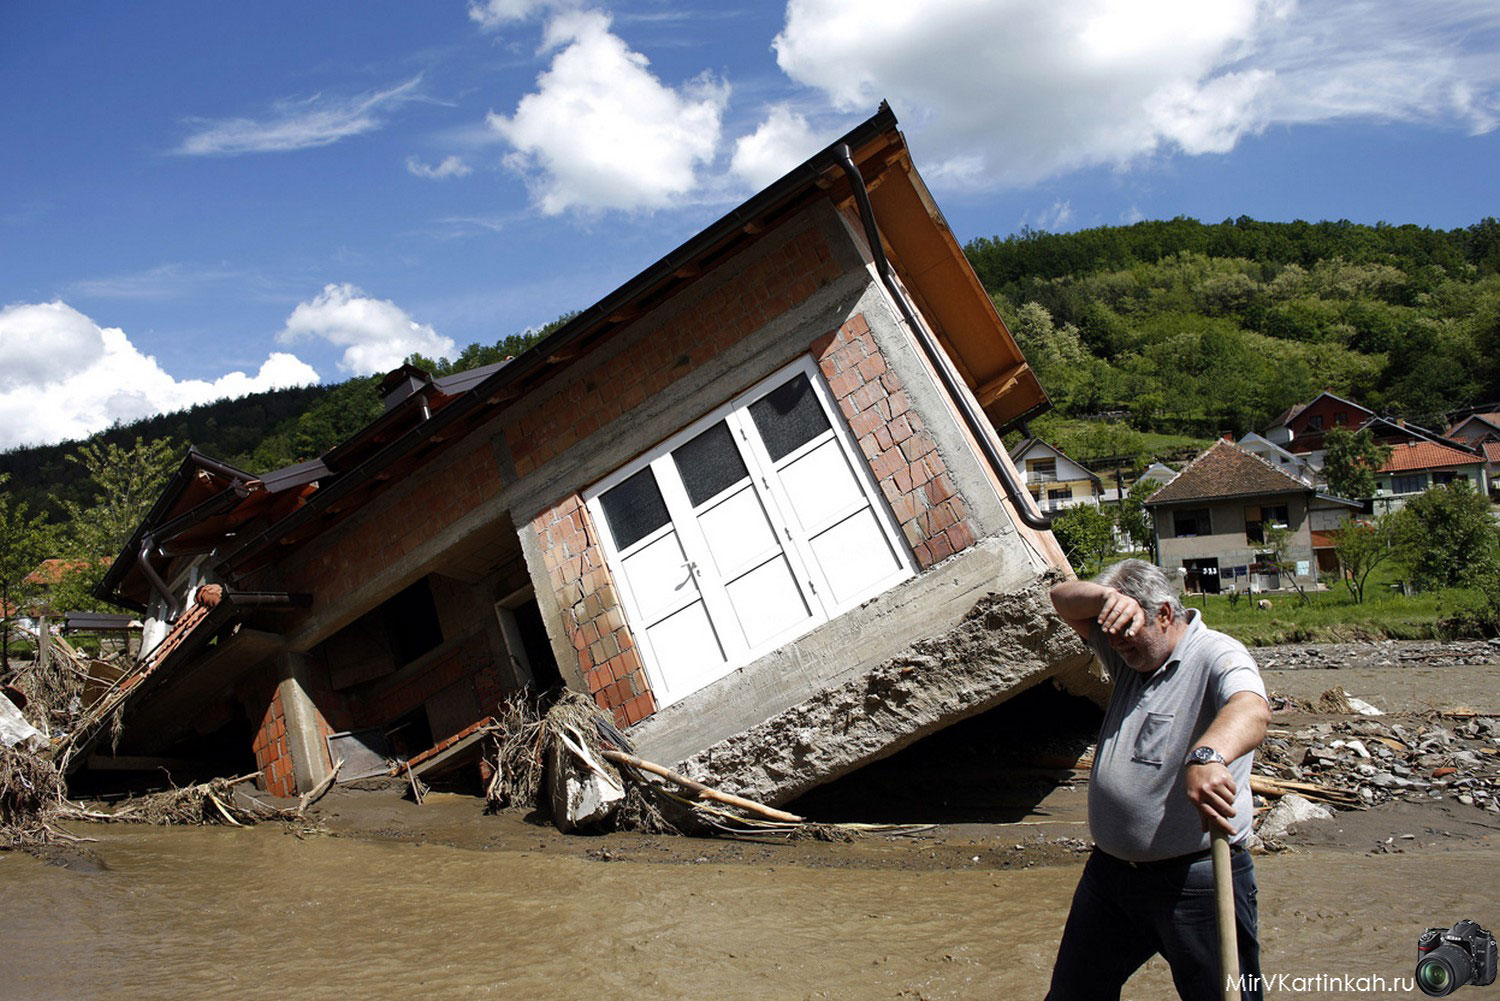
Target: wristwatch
[[1204, 755]]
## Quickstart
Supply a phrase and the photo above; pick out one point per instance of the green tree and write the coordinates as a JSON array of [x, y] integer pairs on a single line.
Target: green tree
[[1360, 547], [25, 540], [126, 483], [1350, 462], [1278, 544], [1133, 518], [1085, 534], [1447, 538]]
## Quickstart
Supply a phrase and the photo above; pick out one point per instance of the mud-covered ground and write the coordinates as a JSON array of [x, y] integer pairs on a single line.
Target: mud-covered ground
[[385, 898]]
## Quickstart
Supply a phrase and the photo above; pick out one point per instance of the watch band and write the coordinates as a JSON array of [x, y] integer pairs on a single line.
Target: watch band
[[1205, 755]]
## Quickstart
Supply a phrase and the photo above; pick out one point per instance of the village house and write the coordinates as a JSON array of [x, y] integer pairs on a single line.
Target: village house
[[1482, 433], [1415, 466], [722, 502], [1301, 428], [1055, 481], [1283, 459], [1211, 522]]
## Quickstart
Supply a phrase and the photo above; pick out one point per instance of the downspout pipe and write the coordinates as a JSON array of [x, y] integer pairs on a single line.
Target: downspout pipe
[[979, 425], [148, 543]]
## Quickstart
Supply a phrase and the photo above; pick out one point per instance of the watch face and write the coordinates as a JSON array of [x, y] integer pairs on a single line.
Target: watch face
[[1204, 755]]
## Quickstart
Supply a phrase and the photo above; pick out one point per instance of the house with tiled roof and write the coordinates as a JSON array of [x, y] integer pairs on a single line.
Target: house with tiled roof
[[1417, 465], [1475, 429], [1054, 480], [720, 500], [1211, 519], [1300, 429]]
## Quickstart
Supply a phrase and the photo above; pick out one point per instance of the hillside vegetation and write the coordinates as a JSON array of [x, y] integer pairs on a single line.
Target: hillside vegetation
[[1184, 328]]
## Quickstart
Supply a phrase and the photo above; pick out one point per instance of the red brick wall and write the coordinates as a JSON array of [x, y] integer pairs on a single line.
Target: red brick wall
[[468, 658], [273, 755], [900, 452], [366, 549], [591, 612], [762, 291]]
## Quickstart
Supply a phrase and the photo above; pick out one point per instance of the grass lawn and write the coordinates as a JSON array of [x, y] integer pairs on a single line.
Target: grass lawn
[[1332, 616]]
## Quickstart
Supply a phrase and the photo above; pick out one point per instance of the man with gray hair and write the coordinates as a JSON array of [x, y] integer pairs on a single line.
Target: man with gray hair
[[1172, 764]]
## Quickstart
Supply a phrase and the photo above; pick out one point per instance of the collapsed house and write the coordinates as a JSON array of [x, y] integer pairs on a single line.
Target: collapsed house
[[734, 502]]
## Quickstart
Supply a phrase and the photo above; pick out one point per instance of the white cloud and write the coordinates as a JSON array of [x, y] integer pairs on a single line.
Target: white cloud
[[1015, 91], [1052, 220], [602, 132], [292, 125], [452, 166], [492, 14], [63, 376], [781, 142], [376, 334]]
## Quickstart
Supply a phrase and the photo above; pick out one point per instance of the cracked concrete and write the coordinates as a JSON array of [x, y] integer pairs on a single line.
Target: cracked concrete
[[1003, 646]]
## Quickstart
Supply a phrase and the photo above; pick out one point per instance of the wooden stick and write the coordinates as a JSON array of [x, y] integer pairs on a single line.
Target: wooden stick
[[699, 789], [416, 788], [1229, 952], [309, 798], [215, 801]]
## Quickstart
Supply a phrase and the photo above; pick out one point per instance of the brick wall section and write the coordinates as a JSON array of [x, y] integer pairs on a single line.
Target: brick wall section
[[366, 549], [722, 318], [900, 452], [591, 612], [273, 756], [468, 658], [261, 696]]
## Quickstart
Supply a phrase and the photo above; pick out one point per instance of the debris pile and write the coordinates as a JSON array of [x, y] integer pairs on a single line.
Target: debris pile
[[1391, 653], [1368, 760]]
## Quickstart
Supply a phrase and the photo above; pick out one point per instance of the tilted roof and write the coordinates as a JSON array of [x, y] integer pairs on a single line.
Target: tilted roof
[[1413, 455], [1226, 470]]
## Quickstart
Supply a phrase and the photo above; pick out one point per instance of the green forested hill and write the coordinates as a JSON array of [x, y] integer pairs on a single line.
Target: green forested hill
[[1182, 327]]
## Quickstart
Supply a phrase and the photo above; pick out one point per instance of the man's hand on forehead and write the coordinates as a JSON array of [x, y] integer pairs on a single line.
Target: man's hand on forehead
[[1121, 615]]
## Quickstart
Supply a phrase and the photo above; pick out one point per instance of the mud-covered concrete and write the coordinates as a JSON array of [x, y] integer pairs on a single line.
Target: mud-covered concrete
[[1006, 644]]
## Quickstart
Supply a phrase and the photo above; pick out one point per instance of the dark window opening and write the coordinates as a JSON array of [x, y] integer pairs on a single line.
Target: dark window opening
[[1413, 483], [410, 734], [1190, 522], [1315, 422], [634, 509], [544, 672], [788, 416], [1444, 477], [1257, 519], [411, 622], [709, 464]]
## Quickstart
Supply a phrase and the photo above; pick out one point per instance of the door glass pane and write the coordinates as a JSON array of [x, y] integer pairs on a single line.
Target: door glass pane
[[688, 653], [788, 416], [854, 555], [767, 601], [634, 509], [820, 484], [737, 532], [709, 464], [659, 576]]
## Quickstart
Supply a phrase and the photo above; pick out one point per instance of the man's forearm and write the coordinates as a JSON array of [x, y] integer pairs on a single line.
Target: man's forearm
[[1079, 599], [1239, 726]]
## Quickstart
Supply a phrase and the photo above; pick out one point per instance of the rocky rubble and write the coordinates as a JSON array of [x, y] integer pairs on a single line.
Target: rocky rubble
[[1376, 759], [1385, 653]]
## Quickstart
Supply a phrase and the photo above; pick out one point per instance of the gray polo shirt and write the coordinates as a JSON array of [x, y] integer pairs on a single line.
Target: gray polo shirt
[[1138, 806]]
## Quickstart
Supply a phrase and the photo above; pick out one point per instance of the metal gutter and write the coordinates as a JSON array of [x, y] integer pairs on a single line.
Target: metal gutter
[[979, 425]]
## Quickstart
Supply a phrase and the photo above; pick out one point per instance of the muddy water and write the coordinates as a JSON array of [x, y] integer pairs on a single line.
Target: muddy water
[[261, 913]]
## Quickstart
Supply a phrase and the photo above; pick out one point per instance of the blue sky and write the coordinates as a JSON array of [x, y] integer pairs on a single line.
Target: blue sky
[[202, 200]]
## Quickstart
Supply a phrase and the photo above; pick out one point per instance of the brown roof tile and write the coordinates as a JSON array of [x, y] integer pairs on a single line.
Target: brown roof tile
[[1226, 470], [1425, 455]]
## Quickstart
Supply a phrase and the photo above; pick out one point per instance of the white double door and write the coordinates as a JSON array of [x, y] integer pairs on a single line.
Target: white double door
[[750, 527]]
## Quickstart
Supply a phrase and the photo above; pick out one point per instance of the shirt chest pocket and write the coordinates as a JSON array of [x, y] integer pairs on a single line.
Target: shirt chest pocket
[[1152, 740]]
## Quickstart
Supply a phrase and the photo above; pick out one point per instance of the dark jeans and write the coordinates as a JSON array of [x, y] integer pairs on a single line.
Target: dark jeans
[[1123, 915]]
